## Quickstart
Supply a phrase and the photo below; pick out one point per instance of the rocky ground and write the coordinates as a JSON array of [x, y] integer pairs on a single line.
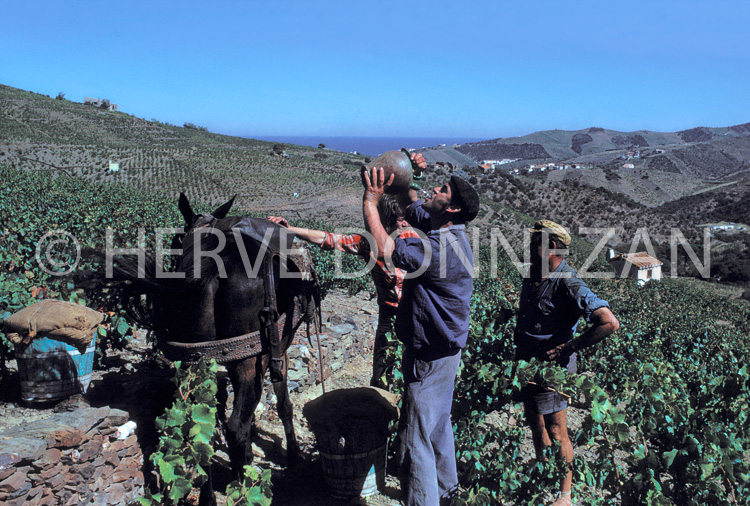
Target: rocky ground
[[138, 382]]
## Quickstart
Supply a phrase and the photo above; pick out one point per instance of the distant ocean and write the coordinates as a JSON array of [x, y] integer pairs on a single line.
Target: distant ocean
[[371, 146]]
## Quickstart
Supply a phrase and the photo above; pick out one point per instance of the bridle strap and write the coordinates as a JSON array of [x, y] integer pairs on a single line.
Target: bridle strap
[[204, 220], [268, 320]]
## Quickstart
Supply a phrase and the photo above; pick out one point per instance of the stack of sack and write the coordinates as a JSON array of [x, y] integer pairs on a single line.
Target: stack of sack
[[68, 322]]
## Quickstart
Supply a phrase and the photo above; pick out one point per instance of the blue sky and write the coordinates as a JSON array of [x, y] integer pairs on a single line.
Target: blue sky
[[353, 68]]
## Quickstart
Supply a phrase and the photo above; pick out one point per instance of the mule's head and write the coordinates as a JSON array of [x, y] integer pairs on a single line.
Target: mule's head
[[193, 220]]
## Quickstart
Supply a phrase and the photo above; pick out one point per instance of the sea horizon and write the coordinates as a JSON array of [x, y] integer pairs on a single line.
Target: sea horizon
[[371, 146]]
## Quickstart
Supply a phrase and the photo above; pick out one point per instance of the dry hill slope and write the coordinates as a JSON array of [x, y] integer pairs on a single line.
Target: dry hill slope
[[41, 133], [701, 152]]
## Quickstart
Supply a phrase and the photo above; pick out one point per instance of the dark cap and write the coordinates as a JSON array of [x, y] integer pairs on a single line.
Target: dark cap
[[464, 196]]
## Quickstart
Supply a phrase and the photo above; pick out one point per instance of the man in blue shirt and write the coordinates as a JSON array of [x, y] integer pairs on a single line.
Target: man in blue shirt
[[433, 324], [553, 299]]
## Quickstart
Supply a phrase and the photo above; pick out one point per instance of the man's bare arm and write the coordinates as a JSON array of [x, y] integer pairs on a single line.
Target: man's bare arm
[[375, 186], [310, 235], [603, 323]]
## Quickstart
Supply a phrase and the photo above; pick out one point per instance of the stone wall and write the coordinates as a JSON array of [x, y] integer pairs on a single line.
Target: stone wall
[[343, 336], [88, 456]]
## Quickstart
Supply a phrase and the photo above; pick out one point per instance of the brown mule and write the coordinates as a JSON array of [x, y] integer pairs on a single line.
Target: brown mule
[[239, 299]]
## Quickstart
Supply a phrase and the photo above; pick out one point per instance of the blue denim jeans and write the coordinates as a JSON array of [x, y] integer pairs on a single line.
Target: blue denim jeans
[[427, 456]]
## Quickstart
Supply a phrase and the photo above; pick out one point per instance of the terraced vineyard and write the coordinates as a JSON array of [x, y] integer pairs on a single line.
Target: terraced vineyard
[[40, 133], [214, 173]]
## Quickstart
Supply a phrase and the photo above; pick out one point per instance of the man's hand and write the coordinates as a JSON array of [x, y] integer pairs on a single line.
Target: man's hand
[[603, 323], [563, 350], [279, 221], [418, 159], [375, 186], [411, 196], [374, 189]]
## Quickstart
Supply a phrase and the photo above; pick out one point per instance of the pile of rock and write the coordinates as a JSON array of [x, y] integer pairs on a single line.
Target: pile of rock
[[341, 339], [86, 456]]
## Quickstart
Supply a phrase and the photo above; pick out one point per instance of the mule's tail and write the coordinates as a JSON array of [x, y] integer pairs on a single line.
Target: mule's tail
[[133, 281]]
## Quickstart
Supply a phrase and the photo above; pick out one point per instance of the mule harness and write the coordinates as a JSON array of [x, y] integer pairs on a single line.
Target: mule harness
[[273, 329], [225, 350]]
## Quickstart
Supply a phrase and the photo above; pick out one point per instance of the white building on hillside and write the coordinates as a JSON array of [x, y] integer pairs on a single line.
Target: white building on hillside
[[492, 164], [98, 102], [640, 265]]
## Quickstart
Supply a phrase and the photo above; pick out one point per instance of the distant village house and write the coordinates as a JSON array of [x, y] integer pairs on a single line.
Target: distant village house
[[630, 155], [543, 167], [640, 265], [99, 102], [491, 164], [724, 226]]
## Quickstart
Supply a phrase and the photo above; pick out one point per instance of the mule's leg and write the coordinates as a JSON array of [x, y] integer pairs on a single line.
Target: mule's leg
[[247, 381], [207, 496], [222, 394], [284, 405]]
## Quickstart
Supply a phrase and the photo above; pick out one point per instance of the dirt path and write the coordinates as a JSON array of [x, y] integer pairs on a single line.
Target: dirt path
[[303, 485]]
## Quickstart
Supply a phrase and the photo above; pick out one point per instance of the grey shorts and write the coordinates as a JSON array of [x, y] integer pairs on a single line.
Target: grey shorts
[[541, 401]]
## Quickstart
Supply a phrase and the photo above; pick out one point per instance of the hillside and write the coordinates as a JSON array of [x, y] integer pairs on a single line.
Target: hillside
[[707, 153], [41, 133], [576, 200]]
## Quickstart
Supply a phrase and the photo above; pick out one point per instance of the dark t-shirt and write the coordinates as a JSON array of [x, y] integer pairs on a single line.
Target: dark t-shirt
[[548, 314]]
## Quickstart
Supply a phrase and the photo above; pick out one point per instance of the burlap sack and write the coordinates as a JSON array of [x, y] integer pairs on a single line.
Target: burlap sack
[[65, 321]]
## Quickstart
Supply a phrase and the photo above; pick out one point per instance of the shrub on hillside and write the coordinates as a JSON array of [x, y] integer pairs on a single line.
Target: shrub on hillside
[[699, 134], [486, 150], [662, 163], [579, 140], [630, 140], [193, 126], [707, 160]]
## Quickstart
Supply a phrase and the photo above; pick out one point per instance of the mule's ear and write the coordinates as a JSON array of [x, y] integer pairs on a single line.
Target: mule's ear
[[221, 211], [185, 209]]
